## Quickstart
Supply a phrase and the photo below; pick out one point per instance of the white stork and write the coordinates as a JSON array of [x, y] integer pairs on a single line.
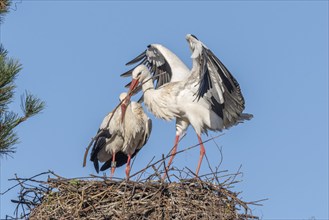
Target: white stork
[[120, 139], [209, 98]]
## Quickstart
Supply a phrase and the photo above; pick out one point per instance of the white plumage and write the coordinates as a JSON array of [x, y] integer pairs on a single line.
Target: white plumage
[[119, 140], [208, 97]]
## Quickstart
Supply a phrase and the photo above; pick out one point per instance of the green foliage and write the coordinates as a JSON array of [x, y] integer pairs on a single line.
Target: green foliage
[[8, 72], [31, 105], [8, 137]]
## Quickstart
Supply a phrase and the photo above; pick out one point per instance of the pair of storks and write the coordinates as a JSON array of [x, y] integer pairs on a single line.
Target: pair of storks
[[208, 97]]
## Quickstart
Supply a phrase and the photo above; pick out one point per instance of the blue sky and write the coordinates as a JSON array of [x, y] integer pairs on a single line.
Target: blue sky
[[73, 53]]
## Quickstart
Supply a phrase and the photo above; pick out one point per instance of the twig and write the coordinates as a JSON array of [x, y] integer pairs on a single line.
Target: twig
[[178, 152], [28, 179], [97, 197]]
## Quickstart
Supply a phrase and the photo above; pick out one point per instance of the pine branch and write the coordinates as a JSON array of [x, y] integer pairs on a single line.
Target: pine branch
[[9, 70], [31, 105], [8, 137]]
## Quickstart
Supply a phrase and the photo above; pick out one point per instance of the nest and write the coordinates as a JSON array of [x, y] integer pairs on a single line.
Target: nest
[[182, 195], [102, 198], [135, 200]]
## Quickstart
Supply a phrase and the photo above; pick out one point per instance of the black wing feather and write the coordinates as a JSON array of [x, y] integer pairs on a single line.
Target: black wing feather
[[228, 80], [230, 83], [128, 73], [137, 59], [217, 107], [233, 102], [162, 73], [106, 165], [100, 142], [205, 82], [120, 159]]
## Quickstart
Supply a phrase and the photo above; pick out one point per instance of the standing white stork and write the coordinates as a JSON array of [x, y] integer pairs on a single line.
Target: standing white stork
[[120, 139], [209, 98]]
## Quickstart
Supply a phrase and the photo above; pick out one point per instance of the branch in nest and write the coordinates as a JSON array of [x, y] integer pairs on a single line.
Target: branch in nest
[[99, 198]]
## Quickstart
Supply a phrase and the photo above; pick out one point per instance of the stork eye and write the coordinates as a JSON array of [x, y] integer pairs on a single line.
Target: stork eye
[[139, 74]]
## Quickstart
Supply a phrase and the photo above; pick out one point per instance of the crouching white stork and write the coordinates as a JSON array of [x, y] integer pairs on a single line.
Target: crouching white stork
[[122, 137], [209, 98]]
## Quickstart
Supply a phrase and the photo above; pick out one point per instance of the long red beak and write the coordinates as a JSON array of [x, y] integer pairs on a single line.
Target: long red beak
[[132, 87], [123, 110]]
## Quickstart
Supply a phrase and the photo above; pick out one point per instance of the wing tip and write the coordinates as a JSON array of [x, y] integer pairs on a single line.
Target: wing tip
[[137, 59], [106, 165], [127, 74], [96, 165], [246, 116]]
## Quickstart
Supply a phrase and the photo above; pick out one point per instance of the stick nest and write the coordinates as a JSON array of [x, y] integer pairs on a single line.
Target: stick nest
[[77, 199], [181, 196], [101, 198]]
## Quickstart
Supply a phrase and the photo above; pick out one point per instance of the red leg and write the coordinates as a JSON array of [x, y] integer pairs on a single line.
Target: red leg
[[173, 153], [202, 152], [128, 167], [113, 165]]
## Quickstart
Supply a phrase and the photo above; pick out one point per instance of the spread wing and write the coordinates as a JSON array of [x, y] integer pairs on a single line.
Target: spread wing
[[218, 86], [164, 65]]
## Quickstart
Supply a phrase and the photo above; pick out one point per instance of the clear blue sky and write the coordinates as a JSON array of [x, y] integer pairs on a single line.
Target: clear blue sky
[[73, 53]]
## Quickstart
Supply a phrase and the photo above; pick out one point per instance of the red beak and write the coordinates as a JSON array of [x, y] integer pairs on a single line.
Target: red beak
[[123, 110], [132, 87]]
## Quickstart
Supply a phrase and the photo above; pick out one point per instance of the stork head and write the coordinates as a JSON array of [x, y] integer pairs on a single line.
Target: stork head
[[195, 45], [122, 96], [140, 73], [124, 104]]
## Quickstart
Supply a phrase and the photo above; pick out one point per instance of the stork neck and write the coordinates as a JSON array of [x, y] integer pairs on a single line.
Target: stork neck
[[128, 113], [195, 65]]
